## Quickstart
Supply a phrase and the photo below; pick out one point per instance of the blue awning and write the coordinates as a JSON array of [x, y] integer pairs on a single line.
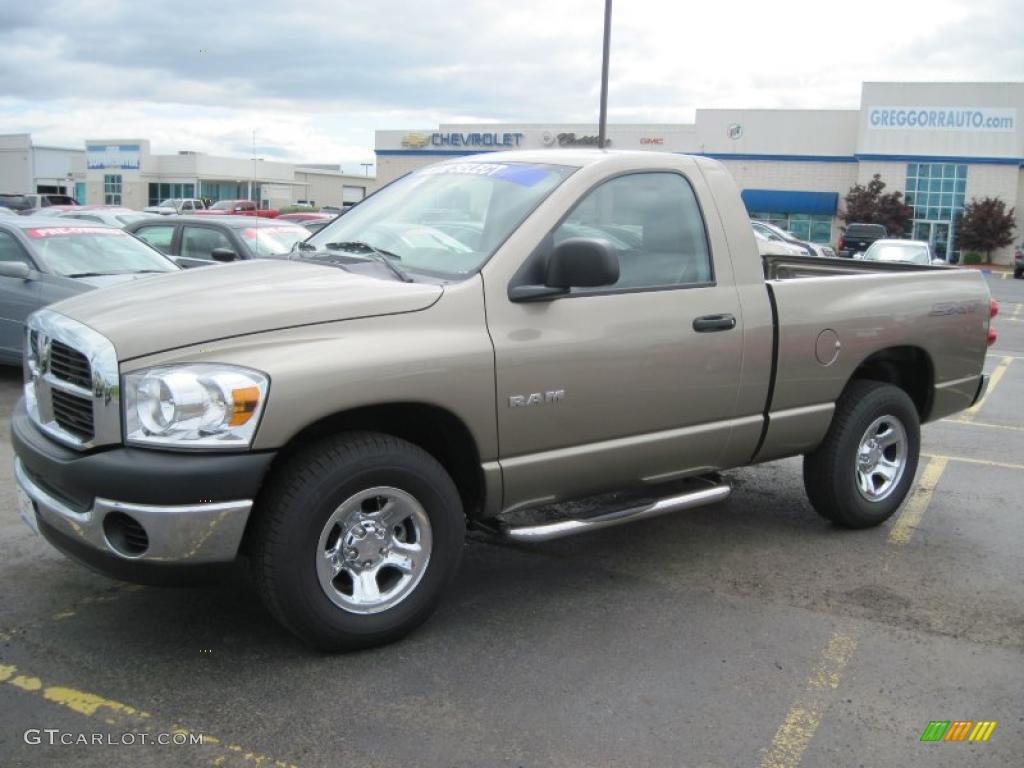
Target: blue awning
[[789, 201]]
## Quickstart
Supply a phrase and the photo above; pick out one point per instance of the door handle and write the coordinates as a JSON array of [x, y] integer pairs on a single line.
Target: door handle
[[710, 323]]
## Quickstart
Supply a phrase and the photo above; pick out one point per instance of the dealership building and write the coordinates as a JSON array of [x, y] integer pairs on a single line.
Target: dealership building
[[125, 172], [940, 144]]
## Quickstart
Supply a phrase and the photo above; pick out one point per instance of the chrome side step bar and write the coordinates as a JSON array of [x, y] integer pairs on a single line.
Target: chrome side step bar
[[561, 528]]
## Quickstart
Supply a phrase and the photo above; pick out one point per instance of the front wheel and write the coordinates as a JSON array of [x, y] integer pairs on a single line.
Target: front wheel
[[355, 539], [865, 466]]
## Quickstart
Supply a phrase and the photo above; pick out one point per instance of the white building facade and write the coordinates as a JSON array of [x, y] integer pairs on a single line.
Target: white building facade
[[29, 167], [125, 172], [941, 144]]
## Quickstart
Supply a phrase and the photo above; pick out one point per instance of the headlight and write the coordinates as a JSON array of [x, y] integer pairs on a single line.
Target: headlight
[[202, 406]]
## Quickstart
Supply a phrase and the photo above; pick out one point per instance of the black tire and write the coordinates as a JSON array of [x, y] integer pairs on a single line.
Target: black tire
[[1018, 274], [830, 471], [297, 502]]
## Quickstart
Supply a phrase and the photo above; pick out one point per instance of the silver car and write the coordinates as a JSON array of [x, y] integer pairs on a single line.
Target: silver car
[[46, 259], [112, 216], [773, 232], [902, 251]]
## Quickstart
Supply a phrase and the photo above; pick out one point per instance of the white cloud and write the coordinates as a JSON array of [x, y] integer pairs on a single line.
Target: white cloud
[[315, 80]]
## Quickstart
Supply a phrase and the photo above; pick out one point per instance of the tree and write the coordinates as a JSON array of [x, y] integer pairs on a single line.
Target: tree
[[870, 205], [986, 225]]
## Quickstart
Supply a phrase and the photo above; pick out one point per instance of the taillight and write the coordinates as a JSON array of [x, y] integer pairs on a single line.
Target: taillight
[[993, 308], [991, 336], [842, 242]]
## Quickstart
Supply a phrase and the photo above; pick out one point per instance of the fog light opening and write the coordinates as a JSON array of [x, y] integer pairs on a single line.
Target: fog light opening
[[125, 535]]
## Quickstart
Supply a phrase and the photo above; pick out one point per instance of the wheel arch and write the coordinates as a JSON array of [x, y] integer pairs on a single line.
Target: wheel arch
[[908, 367], [433, 428]]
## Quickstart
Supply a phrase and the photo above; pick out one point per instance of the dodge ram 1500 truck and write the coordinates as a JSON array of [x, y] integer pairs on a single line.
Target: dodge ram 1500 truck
[[474, 344]]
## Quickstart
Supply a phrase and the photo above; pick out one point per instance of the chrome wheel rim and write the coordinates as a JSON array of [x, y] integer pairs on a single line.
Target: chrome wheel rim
[[374, 550], [881, 458]]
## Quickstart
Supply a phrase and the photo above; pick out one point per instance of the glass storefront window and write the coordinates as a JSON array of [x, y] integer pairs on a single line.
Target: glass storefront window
[[816, 228], [936, 193], [112, 189]]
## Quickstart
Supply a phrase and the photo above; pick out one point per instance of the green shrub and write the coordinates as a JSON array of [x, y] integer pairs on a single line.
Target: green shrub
[[972, 258], [296, 208]]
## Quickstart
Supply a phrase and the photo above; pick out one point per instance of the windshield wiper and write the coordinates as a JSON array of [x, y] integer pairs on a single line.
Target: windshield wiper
[[91, 274], [379, 255]]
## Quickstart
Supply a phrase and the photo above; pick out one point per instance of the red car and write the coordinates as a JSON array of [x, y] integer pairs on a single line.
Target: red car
[[237, 208]]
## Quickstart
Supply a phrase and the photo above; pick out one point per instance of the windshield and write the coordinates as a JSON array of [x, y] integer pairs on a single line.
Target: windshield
[[913, 254], [169, 203], [446, 219], [223, 205], [274, 240], [87, 250]]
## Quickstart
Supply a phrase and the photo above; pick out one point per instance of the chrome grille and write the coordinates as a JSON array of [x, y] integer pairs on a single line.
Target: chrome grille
[[71, 382], [70, 365], [73, 413]]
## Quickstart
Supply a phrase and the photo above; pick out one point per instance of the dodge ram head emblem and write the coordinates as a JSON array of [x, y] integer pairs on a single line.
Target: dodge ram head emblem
[[536, 398]]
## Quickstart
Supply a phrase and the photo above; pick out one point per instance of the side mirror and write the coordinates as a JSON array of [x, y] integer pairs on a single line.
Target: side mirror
[[578, 262], [223, 254], [19, 270]]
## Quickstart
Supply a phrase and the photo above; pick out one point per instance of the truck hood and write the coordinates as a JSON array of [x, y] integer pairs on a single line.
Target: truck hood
[[209, 303]]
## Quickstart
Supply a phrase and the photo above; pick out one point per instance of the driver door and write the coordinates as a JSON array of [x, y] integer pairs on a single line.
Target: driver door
[[612, 386]]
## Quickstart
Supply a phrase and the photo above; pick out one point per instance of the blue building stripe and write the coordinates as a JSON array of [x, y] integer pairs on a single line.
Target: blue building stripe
[[1015, 161]]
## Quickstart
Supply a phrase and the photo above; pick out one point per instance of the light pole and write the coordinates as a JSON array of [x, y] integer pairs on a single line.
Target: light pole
[[252, 184], [603, 119]]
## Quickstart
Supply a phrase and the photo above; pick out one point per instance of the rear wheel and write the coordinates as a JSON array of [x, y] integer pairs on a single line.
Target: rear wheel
[[355, 539], [865, 466]]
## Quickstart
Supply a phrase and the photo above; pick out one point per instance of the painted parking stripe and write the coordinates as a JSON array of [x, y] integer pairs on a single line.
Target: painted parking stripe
[[801, 722], [117, 714]]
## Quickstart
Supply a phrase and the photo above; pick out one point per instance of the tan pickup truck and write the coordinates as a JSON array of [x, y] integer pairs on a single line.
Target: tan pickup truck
[[474, 344]]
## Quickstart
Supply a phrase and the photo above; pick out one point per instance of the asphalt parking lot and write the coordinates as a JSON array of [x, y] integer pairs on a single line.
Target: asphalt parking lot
[[751, 633]]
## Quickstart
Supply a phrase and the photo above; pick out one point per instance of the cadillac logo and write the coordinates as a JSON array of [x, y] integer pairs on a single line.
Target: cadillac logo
[[547, 138], [734, 131]]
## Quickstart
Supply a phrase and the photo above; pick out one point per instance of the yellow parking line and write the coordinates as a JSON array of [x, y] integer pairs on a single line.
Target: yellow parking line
[[804, 717], [913, 510], [1011, 355], [983, 424], [984, 462], [993, 382], [115, 713]]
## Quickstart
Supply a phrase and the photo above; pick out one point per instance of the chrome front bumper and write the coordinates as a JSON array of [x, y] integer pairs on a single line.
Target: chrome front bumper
[[181, 534]]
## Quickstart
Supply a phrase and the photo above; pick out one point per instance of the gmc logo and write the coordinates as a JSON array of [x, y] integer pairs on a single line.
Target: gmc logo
[[652, 140]]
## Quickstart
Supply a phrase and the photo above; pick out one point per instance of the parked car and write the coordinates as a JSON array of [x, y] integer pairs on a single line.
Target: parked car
[[53, 210], [315, 225], [238, 208], [32, 201], [857, 237], [903, 251], [196, 241], [300, 216], [774, 232], [1018, 261], [45, 260], [111, 215], [769, 246], [7, 211], [176, 205], [345, 411]]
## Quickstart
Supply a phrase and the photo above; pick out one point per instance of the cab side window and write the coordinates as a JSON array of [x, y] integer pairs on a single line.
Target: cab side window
[[11, 250], [159, 237], [653, 222], [200, 242]]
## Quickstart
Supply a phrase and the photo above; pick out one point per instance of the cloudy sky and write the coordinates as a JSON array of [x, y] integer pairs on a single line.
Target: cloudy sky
[[314, 78]]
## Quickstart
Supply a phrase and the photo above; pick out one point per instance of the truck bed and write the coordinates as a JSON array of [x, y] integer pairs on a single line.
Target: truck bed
[[832, 315]]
